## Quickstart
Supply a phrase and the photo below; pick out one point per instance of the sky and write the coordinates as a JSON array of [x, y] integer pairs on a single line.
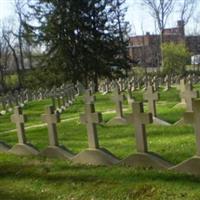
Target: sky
[[139, 17]]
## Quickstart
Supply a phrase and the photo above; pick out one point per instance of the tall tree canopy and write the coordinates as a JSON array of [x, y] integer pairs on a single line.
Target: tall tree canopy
[[83, 39]]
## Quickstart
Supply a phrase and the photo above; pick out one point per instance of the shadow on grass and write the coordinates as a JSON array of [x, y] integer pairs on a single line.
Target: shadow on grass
[[68, 173], [6, 194]]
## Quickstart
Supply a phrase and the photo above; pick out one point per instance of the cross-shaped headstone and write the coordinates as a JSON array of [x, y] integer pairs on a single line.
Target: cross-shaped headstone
[[139, 119], [58, 102], [51, 119], [53, 100], [121, 84], [194, 118], [167, 82], [182, 88], [92, 86], [130, 95], [118, 99], [19, 119], [107, 86], [188, 95], [91, 118], [88, 97], [151, 96]]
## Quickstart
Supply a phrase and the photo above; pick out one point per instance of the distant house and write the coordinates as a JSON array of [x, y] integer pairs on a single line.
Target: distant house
[[145, 49], [195, 60]]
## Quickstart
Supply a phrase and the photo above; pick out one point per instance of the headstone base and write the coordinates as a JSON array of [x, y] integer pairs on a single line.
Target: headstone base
[[180, 105], [160, 122], [57, 152], [24, 149], [4, 147], [117, 121], [166, 89], [179, 122], [130, 100], [145, 160], [104, 93], [95, 157], [189, 166]]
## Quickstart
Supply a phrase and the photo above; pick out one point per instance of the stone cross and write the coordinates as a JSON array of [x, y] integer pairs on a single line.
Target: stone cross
[[51, 119], [92, 86], [155, 82], [69, 94], [194, 119], [167, 82], [10, 103], [139, 119], [58, 102], [151, 96], [182, 88], [91, 118], [118, 99], [19, 119], [88, 97], [53, 101], [129, 94], [80, 88], [3, 103], [121, 84], [107, 86], [188, 95]]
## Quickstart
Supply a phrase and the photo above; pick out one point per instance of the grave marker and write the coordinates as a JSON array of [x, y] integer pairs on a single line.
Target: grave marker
[[22, 147], [118, 99], [151, 96], [54, 149], [94, 155], [192, 165], [139, 119], [51, 119], [91, 118], [188, 95], [19, 119], [143, 158]]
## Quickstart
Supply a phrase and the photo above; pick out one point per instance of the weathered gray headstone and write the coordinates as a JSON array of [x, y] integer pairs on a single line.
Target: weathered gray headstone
[[91, 118], [80, 88], [152, 96], [94, 155], [22, 147], [167, 82], [88, 97], [182, 89], [188, 95], [54, 150], [118, 99], [139, 119], [143, 158], [192, 165]]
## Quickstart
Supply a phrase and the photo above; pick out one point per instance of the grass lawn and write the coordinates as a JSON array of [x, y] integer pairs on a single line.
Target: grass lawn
[[38, 178]]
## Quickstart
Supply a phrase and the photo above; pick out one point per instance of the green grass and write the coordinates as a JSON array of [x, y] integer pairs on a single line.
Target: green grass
[[33, 178]]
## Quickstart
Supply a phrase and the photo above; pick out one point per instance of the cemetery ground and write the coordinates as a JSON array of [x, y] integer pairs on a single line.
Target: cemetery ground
[[27, 177]]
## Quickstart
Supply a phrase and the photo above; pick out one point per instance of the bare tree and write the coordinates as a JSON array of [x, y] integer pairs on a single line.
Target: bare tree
[[19, 7], [7, 36], [160, 11], [4, 56], [187, 8]]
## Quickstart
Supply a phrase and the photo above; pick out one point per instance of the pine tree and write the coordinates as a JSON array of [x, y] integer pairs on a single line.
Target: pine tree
[[83, 39]]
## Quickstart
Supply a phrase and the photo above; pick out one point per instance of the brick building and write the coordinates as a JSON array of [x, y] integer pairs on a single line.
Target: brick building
[[145, 49]]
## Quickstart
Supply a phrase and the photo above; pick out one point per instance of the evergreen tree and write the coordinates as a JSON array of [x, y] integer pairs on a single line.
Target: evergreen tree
[[83, 39]]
